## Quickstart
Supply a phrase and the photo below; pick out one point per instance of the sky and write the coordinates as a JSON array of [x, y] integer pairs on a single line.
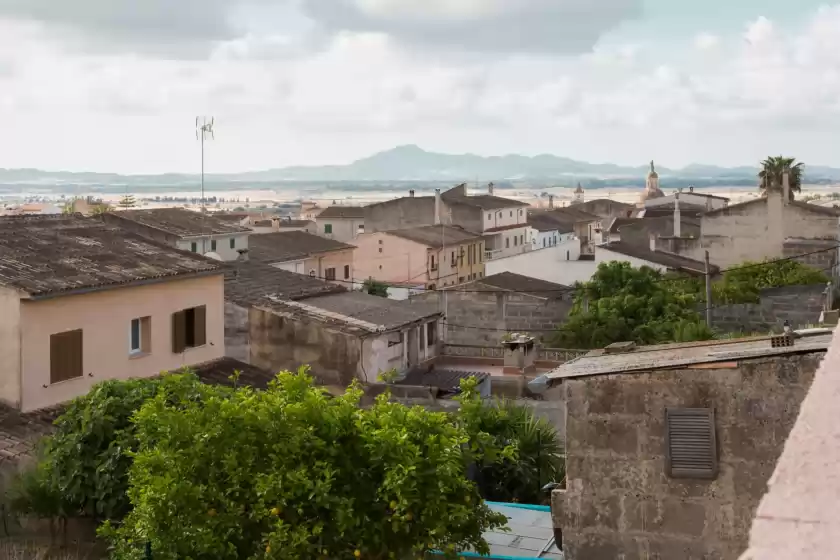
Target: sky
[[116, 85]]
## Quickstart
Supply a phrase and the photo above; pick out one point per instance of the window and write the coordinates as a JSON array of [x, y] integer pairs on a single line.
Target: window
[[432, 259], [555, 240], [511, 213], [691, 447], [480, 252], [489, 216], [329, 274], [461, 280], [522, 239], [189, 329], [543, 241], [432, 286], [66, 356], [431, 333], [515, 241], [212, 244], [312, 273], [380, 242], [233, 243], [360, 228], [346, 271], [139, 338], [380, 249], [454, 263], [520, 212], [470, 254], [507, 243], [327, 228], [194, 247], [567, 255]]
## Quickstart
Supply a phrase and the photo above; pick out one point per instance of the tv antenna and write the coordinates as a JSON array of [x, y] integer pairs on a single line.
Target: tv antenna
[[204, 131]]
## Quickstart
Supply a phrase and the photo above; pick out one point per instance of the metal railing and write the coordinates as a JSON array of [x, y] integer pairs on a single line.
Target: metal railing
[[560, 355]]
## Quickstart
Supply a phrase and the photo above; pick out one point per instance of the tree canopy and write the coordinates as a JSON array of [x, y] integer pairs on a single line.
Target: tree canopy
[[773, 169], [375, 288]]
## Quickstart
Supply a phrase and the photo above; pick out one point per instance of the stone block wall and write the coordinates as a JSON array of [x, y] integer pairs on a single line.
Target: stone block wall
[[620, 504], [801, 305], [481, 319]]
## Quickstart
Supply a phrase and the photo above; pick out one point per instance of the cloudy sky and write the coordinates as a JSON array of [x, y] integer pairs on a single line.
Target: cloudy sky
[[115, 85]]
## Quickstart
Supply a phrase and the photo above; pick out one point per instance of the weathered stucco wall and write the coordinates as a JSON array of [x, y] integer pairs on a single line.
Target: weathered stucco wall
[[619, 503], [10, 378], [801, 305], [400, 213], [638, 233], [237, 337]]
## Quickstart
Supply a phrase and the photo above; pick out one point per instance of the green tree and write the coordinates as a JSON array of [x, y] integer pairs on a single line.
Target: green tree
[[623, 303], [292, 473], [127, 201], [743, 284], [772, 170], [375, 288]]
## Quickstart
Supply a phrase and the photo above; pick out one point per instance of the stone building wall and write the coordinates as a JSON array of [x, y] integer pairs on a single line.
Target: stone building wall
[[620, 505], [801, 305], [481, 318]]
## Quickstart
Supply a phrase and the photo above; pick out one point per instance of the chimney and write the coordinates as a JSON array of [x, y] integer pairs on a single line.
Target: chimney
[[411, 193], [677, 221], [691, 188], [437, 207], [551, 202], [652, 242], [785, 187], [243, 255], [490, 188], [520, 351]]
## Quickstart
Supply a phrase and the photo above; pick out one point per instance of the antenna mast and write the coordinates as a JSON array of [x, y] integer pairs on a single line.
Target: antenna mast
[[204, 131]]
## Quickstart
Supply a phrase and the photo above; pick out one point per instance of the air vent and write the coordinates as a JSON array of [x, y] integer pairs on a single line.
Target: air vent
[[691, 444], [781, 341]]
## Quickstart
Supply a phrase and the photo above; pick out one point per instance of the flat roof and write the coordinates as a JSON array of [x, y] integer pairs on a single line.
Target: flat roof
[[45, 256], [678, 356]]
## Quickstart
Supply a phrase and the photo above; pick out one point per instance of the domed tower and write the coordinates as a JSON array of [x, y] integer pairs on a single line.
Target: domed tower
[[652, 189], [578, 199]]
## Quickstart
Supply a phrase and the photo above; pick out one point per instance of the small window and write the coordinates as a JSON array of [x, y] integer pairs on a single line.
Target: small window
[[691, 446], [327, 228], [515, 241], [507, 243], [380, 249], [189, 329], [432, 286], [329, 274], [212, 244], [511, 213], [312, 273], [489, 216], [461, 280], [567, 255], [66, 356], [346, 271], [233, 243], [454, 264], [139, 337], [194, 247], [361, 228], [380, 242]]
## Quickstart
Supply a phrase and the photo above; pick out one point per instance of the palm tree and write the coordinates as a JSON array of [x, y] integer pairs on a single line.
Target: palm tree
[[772, 170]]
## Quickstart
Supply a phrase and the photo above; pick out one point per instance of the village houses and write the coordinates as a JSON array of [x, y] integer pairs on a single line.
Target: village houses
[[305, 253], [341, 223]]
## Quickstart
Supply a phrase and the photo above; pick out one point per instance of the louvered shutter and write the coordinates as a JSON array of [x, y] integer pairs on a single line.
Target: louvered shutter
[[691, 443], [179, 332], [200, 325], [66, 358]]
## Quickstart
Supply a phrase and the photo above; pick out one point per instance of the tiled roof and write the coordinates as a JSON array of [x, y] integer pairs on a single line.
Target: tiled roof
[[21, 432], [678, 356], [825, 211], [570, 214], [669, 260], [510, 281], [178, 221], [50, 255], [235, 217], [355, 212], [447, 382], [483, 201], [547, 221], [248, 283], [220, 371], [290, 245], [506, 228], [294, 223], [435, 236]]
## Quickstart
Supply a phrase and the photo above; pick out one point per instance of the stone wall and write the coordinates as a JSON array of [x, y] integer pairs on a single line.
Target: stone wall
[[619, 502], [638, 233], [801, 305], [481, 319], [237, 337]]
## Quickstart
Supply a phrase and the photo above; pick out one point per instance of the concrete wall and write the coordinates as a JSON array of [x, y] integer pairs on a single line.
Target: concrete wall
[[558, 264], [606, 208], [10, 332], [343, 229], [237, 337], [204, 245], [400, 213], [639, 233], [801, 305], [334, 259], [480, 318], [620, 504], [105, 318]]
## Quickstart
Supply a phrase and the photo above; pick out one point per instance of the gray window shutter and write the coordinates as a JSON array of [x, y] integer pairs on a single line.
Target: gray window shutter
[[691, 446]]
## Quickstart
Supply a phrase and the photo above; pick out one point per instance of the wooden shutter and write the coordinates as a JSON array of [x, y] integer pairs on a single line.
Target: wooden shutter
[[66, 356], [200, 335], [179, 332], [691, 444]]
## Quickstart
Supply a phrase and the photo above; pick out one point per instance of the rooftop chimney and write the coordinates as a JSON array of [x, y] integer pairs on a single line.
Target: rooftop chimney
[[785, 187], [411, 193], [520, 352], [551, 201], [437, 207], [490, 188], [677, 221], [691, 188]]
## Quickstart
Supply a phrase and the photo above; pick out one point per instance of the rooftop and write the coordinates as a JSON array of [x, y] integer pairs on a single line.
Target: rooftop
[[355, 212], [294, 223], [662, 258], [180, 222], [290, 245], [512, 282], [571, 214], [483, 201], [544, 221], [21, 432], [823, 210], [220, 371], [530, 535], [435, 236], [447, 382], [684, 355], [506, 228], [63, 254], [249, 283]]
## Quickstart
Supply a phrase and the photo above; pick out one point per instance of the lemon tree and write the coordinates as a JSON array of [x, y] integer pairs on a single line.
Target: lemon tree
[[293, 473]]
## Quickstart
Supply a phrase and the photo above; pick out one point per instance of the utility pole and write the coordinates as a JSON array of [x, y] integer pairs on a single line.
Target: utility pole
[[204, 131], [708, 292]]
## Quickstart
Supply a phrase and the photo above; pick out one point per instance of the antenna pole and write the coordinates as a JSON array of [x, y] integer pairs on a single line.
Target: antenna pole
[[203, 129]]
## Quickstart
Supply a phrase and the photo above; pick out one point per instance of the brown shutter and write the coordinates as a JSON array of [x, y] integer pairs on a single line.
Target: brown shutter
[[200, 335], [146, 335], [66, 356], [179, 332], [691, 445]]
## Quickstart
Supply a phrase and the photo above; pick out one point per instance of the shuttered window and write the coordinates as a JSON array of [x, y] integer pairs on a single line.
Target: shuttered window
[[691, 443], [66, 357], [189, 329]]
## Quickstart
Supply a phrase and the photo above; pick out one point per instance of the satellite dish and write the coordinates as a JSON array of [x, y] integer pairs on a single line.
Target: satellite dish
[[214, 256]]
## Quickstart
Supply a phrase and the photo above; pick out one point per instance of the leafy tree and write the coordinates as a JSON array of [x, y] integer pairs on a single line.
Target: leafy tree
[[743, 284], [375, 288], [292, 473], [623, 303], [525, 452], [100, 208], [772, 170]]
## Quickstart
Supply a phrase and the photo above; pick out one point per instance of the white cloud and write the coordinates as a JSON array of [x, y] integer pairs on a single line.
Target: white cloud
[[706, 41]]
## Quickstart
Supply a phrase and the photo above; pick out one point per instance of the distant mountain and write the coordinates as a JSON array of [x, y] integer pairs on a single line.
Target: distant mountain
[[412, 164]]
